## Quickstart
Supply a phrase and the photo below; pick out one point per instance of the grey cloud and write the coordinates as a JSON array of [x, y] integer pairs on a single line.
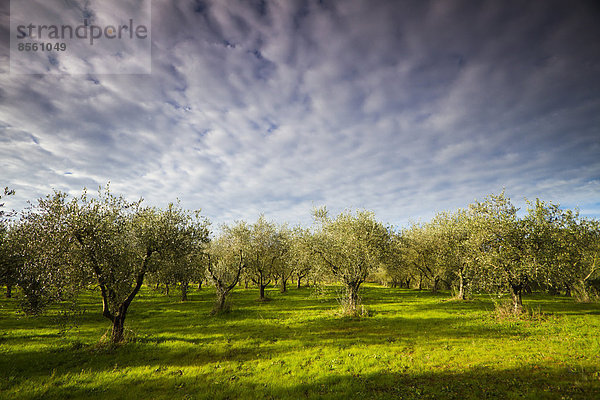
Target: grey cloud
[[405, 108]]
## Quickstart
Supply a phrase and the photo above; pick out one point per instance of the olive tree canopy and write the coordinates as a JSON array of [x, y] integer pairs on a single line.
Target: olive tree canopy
[[351, 246]]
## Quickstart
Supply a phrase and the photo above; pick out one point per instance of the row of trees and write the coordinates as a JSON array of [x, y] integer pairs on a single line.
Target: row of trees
[[488, 247], [61, 246]]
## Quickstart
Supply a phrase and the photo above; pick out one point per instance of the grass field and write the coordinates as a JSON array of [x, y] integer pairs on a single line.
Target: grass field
[[414, 345]]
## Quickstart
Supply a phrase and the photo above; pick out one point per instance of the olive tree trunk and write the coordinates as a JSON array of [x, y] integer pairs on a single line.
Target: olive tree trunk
[[118, 329], [262, 291], [517, 299], [184, 290], [119, 312], [462, 293], [436, 285], [351, 302], [220, 303]]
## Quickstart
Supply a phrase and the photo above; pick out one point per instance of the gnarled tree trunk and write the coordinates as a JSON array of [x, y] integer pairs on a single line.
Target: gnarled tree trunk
[[436, 284], [516, 294], [221, 286], [352, 299], [262, 285], [117, 334], [220, 303], [183, 286], [117, 316], [262, 291], [462, 292]]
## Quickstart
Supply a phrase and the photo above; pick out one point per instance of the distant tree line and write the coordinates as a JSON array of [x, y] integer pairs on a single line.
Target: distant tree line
[[60, 246], [487, 247]]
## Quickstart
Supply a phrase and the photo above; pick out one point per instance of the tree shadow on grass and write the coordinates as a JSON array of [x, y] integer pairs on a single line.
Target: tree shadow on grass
[[181, 334], [256, 340], [175, 335], [530, 382], [75, 357], [478, 383], [542, 302]]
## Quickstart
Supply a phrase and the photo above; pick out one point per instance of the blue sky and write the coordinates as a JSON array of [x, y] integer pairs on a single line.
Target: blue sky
[[405, 108]]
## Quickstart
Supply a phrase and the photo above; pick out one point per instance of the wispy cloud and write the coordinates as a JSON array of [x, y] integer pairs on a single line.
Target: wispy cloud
[[405, 108]]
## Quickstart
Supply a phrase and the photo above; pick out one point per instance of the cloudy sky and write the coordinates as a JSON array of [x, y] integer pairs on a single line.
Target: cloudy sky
[[405, 108]]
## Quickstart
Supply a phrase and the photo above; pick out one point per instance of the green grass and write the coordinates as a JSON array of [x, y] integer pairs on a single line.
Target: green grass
[[414, 345]]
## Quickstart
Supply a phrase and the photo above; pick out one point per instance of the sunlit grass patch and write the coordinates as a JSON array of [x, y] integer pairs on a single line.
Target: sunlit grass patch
[[413, 345]]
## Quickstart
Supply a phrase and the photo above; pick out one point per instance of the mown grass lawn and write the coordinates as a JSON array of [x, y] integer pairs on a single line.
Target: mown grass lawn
[[414, 345]]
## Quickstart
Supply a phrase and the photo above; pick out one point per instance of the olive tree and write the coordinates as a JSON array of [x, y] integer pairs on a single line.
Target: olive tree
[[7, 265], [43, 250], [264, 248], [8, 271], [565, 246], [121, 242], [300, 255], [454, 248], [424, 249], [64, 245], [396, 268], [351, 246], [503, 258], [284, 266], [182, 267], [225, 262]]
